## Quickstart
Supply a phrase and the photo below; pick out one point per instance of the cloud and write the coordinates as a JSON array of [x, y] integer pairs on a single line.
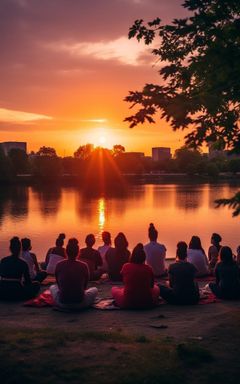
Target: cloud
[[124, 50], [12, 116]]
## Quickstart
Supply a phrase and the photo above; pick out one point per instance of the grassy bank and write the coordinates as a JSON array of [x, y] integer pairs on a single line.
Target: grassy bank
[[48, 355]]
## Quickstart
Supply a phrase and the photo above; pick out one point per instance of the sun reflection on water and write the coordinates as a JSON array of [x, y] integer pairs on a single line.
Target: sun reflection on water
[[101, 215]]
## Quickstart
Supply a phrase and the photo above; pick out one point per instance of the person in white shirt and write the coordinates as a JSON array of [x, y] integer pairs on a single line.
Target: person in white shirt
[[31, 259], [106, 238], [155, 253], [196, 255]]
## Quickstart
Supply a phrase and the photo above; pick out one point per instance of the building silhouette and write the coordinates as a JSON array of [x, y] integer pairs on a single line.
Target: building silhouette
[[161, 153], [8, 145]]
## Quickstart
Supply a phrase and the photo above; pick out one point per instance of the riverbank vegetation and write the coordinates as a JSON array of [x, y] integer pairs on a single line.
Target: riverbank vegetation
[[99, 165]]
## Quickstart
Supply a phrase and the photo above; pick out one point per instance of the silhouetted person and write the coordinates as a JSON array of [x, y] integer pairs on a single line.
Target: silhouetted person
[[213, 250], [72, 278], [183, 289], [155, 253], [92, 257], [196, 255], [58, 250], [139, 290], [227, 274], [15, 283], [116, 257], [106, 238], [31, 260], [238, 256]]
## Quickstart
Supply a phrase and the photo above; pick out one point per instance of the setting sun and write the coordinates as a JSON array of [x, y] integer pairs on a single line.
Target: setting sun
[[102, 140]]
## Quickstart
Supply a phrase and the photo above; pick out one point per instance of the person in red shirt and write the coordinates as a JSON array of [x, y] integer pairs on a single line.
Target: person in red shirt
[[139, 291], [72, 278]]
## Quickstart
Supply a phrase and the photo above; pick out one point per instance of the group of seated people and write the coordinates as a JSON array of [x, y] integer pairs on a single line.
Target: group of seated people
[[138, 270]]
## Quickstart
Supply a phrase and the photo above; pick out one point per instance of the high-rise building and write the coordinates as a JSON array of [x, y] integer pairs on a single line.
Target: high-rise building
[[8, 145], [161, 153]]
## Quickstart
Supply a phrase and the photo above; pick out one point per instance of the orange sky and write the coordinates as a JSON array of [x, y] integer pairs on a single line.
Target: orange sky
[[66, 67]]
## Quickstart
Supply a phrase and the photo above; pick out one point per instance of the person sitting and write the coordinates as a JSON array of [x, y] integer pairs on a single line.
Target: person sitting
[[139, 291], [183, 289], [106, 238], [92, 257], [238, 256], [72, 278], [227, 273], [58, 249], [15, 283], [213, 250], [116, 257], [54, 255], [196, 255], [155, 253], [31, 260]]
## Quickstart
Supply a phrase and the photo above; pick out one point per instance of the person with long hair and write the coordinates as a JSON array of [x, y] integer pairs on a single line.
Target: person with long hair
[[155, 253], [15, 283], [227, 273], [139, 291], [183, 289], [72, 278], [197, 256], [213, 250], [116, 257]]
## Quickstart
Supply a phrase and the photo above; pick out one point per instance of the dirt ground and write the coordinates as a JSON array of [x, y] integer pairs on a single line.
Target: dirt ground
[[183, 322]]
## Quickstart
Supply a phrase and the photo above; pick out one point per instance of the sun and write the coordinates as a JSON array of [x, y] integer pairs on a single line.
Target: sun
[[102, 139]]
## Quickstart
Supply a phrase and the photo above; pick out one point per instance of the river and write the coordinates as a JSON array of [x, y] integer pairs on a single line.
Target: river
[[177, 210]]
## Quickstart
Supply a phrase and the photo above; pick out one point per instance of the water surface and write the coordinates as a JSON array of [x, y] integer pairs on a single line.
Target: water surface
[[177, 210]]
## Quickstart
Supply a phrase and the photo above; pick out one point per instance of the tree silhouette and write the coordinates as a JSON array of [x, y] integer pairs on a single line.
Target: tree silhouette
[[117, 150], [46, 151], [199, 86], [84, 151]]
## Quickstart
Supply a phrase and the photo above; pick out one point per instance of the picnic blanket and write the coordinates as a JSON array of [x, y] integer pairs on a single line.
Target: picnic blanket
[[45, 299], [50, 279]]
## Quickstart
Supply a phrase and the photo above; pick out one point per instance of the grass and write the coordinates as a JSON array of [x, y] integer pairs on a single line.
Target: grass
[[49, 356]]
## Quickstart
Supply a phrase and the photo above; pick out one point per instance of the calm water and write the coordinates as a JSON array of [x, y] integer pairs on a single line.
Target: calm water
[[178, 211]]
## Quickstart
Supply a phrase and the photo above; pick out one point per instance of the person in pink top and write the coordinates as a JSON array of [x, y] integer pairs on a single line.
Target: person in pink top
[[139, 291]]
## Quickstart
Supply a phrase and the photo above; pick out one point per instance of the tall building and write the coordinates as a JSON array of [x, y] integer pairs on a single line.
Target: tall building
[[8, 145], [161, 153]]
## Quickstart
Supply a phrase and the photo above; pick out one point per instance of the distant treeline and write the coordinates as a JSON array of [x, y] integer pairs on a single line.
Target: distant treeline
[[100, 165]]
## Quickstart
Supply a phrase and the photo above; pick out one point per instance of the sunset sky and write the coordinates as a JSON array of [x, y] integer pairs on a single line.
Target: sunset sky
[[66, 66]]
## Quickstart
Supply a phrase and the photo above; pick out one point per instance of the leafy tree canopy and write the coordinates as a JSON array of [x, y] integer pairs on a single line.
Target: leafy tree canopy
[[84, 151], [118, 149], [47, 151], [200, 72]]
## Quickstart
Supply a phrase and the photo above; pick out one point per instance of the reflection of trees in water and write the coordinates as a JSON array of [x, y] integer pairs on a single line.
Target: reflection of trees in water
[[14, 201], [222, 190], [189, 197], [162, 196], [48, 198]]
